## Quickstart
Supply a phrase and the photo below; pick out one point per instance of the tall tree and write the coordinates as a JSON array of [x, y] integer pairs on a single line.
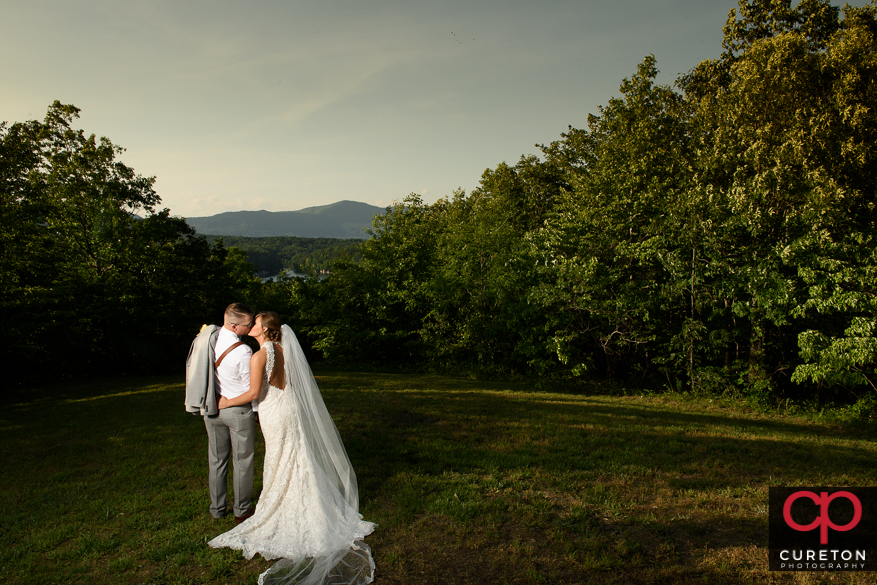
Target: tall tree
[[786, 156], [481, 315], [606, 251], [94, 287]]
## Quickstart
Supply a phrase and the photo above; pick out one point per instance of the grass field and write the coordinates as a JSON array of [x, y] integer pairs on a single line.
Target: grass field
[[470, 482]]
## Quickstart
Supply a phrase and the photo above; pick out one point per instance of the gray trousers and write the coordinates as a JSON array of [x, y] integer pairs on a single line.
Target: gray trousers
[[231, 434]]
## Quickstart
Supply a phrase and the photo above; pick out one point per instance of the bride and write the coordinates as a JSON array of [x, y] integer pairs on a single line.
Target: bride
[[308, 511]]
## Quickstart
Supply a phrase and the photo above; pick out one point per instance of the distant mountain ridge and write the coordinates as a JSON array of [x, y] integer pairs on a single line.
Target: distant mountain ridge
[[343, 219]]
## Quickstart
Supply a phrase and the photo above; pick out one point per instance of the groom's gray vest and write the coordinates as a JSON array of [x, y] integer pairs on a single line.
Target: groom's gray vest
[[201, 374]]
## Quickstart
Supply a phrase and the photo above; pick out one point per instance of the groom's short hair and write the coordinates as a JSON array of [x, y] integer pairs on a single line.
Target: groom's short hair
[[237, 312]]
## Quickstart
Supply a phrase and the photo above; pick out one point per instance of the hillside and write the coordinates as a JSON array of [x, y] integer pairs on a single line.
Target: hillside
[[343, 220]]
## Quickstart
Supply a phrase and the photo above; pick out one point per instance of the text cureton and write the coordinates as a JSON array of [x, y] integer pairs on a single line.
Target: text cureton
[[822, 555]]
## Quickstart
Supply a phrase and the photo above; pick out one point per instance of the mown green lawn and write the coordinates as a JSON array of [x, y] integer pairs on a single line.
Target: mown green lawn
[[470, 482]]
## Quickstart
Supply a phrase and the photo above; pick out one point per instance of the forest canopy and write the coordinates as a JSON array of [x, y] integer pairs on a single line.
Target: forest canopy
[[714, 236]]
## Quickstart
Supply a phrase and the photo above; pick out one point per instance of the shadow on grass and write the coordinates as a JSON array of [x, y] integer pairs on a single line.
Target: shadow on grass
[[468, 432]]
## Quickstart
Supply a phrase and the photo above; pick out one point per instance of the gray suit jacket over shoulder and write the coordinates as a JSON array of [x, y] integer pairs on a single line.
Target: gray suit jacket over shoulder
[[201, 375]]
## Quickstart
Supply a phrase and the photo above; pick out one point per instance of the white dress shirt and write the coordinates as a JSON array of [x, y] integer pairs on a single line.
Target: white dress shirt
[[233, 374]]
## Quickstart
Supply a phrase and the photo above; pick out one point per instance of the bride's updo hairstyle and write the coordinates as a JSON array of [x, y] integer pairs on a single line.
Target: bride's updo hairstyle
[[271, 323]]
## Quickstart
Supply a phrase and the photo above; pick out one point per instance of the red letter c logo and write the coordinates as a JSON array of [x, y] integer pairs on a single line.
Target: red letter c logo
[[823, 521]]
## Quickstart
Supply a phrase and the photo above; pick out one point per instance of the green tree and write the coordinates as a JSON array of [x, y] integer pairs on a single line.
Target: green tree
[[611, 253], [786, 142], [94, 287], [480, 314]]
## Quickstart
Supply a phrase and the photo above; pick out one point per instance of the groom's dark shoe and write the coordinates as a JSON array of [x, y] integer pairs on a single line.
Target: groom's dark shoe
[[239, 519]]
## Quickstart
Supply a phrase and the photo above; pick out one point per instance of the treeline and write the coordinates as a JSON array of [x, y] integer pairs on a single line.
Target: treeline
[[271, 255], [716, 236]]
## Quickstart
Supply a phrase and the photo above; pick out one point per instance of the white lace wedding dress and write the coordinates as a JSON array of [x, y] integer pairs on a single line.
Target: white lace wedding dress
[[307, 514]]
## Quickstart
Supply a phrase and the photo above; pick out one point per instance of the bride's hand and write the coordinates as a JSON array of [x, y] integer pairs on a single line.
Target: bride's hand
[[223, 402]]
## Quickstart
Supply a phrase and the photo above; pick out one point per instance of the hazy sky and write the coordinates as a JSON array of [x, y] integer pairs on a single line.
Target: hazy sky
[[286, 104]]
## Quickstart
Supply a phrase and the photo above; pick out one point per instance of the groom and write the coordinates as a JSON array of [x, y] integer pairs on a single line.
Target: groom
[[231, 433]]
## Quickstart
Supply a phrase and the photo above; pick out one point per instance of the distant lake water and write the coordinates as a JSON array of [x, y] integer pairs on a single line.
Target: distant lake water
[[291, 273]]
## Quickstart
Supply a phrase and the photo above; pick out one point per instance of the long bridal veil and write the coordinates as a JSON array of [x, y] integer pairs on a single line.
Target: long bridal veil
[[348, 560]]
